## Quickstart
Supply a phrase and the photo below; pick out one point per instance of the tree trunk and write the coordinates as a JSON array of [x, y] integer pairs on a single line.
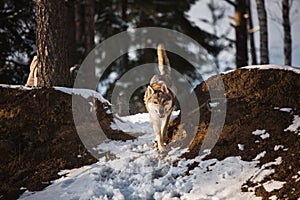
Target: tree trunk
[[79, 22], [52, 45], [287, 32], [251, 34], [124, 61], [89, 78], [72, 47], [241, 33], [263, 24], [89, 25]]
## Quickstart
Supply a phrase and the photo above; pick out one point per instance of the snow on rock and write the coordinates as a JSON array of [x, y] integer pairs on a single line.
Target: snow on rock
[[288, 110], [241, 147], [265, 171], [258, 132], [273, 185], [273, 197], [262, 133], [295, 126], [297, 177], [270, 66], [264, 136], [16, 87], [277, 147], [85, 93], [261, 155], [273, 66]]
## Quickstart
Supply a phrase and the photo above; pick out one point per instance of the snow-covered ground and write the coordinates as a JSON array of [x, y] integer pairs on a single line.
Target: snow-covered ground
[[135, 170]]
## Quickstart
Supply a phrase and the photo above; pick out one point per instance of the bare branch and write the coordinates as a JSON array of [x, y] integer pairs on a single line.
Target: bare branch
[[232, 25], [253, 30], [231, 3]]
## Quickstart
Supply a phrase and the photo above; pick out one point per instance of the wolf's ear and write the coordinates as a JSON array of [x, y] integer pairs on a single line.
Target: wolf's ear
[[164, 88], [150, 90]]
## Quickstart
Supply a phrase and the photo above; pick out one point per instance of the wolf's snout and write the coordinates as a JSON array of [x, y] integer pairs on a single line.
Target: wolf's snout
[[161, 112]]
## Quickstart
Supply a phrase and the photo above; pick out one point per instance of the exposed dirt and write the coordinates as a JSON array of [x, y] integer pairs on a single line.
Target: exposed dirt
[[38, 137], [253, 98]]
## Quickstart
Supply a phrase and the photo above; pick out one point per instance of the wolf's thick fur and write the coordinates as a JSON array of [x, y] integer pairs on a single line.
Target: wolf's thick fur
[[159, 98]]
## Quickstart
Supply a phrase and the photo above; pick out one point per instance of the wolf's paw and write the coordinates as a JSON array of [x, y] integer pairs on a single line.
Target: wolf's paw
[[154, 144], [159, 148]]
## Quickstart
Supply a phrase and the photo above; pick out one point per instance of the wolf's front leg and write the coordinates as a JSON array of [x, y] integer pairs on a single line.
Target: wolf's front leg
[[157, 131], [164, 127]]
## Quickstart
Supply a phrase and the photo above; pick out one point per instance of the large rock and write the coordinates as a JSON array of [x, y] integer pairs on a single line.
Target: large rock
[[38, 137], [254, 98]]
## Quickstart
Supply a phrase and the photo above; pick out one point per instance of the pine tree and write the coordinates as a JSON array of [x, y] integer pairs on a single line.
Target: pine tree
[[53, 51], [263, 25], [241, 32], [287, 32]]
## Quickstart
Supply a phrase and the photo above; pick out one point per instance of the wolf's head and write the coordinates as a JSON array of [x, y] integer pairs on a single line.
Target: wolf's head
[[159, 100]]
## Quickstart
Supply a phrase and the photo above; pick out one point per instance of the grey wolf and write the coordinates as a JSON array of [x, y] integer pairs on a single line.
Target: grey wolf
[[159, 98]]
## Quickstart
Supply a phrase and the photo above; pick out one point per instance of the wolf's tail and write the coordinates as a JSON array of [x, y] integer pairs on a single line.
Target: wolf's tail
[[163, 61]]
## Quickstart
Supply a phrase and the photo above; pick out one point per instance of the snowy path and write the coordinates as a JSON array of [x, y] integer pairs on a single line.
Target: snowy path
[[135, 170]]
